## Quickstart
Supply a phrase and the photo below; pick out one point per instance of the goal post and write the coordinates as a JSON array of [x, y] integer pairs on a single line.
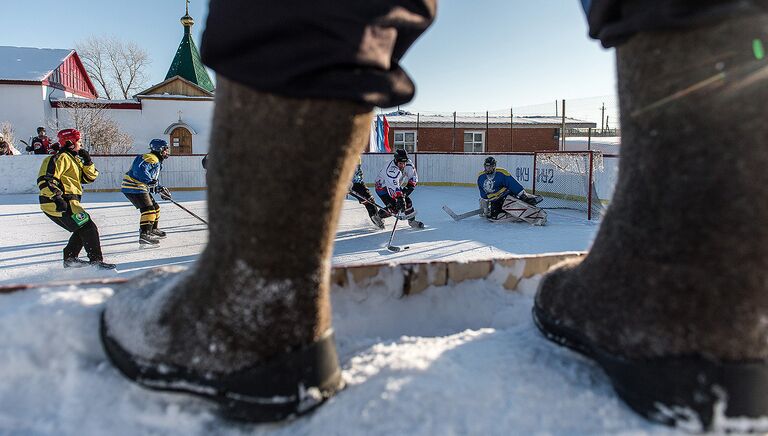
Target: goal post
[[566, 180]]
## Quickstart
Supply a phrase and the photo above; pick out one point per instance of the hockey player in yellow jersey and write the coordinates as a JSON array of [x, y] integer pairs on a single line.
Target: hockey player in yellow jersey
[[60, 181]]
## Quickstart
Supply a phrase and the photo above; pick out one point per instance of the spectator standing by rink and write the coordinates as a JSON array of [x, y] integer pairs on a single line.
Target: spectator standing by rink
[[394, 186], [41, 144], [6, 149], [60, 180], [139, 183]]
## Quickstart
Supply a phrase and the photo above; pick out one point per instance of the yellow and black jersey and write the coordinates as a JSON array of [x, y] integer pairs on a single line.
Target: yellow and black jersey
[[63, 174]]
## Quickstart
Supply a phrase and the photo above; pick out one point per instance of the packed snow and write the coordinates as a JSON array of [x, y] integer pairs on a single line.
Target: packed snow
[[463, 359]]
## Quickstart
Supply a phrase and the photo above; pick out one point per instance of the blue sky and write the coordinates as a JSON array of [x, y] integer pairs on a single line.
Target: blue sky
[[479, 55]]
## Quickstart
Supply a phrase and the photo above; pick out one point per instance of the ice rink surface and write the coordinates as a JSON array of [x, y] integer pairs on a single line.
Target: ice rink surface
[[31, 244]]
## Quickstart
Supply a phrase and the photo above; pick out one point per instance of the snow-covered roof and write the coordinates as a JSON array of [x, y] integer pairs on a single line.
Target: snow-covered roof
[[407, 119], [29, 63], [77, 100]]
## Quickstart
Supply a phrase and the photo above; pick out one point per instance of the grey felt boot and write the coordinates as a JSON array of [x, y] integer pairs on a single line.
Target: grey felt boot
[[250, 326], [672, 300]]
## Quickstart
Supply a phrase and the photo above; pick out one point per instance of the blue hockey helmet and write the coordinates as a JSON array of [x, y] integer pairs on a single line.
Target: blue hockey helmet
[[158, 145]]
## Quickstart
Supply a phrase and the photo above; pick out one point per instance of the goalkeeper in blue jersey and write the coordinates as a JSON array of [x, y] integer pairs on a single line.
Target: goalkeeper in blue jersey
[[495, 185]]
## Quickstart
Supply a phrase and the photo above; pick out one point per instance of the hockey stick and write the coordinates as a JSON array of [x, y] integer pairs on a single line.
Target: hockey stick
[[7, 289], [365, 200], [391, 247], [187, 211], [461, 216]]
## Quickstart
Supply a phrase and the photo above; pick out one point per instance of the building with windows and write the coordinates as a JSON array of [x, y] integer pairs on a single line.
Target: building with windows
[[477, 133], [46, 87]]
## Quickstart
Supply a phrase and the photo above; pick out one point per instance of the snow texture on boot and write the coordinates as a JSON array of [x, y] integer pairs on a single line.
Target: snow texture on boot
[[671, 301], [158, 233], [291, 384]]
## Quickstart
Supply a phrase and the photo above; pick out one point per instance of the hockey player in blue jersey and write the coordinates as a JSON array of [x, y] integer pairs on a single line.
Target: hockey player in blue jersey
[[394, 185], [499, 195], [139, 183]]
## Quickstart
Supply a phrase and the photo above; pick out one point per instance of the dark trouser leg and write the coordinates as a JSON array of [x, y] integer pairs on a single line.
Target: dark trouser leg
[[74, 246], [86, 236], [362, 190], [680, 265], [89, 234]]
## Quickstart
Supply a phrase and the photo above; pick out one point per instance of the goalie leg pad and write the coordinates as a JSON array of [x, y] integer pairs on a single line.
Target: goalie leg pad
[[523, 211]]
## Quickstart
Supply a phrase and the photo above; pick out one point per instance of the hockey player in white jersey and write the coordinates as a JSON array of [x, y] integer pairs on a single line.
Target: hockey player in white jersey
[[394, 185]]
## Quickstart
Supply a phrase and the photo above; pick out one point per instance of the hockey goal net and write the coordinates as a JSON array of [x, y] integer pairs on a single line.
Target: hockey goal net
[[566, 180]]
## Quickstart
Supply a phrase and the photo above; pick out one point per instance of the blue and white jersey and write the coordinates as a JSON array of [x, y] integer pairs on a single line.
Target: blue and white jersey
[[391, 179], [145, 169], [497, 184]]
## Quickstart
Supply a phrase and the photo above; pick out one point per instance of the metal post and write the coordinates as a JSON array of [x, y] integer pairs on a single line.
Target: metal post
[[416, 144], [453, 142], [511, 130], [487, 134], [589, 187], [589, 139], [562, 129]]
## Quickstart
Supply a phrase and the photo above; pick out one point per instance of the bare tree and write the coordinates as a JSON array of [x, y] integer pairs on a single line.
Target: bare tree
[[118, 67], [7, 132], [100, 133]]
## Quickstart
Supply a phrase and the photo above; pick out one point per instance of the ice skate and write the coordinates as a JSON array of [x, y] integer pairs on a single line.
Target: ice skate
[[148, 240]]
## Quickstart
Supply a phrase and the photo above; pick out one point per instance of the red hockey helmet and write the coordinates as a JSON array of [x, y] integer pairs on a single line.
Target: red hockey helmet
[[71, 135]]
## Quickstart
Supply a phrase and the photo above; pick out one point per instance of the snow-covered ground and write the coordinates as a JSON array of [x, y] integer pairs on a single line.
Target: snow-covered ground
[[463, 359]]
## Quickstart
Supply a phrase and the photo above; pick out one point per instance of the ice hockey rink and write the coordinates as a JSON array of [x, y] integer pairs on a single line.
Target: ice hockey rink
[[31, 243]]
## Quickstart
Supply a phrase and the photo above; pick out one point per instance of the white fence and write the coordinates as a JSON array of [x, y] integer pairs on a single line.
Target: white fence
[[18, 174]]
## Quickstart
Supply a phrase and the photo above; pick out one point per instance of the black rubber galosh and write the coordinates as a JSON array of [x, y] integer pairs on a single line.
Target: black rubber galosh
[[686, 391], [287, 386]]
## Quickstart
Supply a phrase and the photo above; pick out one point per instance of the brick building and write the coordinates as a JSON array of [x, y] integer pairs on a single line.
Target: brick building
[[492, 134]]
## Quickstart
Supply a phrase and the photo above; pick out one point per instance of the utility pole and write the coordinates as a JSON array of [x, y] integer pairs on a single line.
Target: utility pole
[[602, 118]]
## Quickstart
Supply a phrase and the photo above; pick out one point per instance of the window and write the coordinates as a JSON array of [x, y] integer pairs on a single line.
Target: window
[[474, 142], [406, 140]]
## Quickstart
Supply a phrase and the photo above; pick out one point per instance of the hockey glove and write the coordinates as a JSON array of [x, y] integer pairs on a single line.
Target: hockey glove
[[408, 190], [61, 203], [400, 204], [85, 156], [165, 194]]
